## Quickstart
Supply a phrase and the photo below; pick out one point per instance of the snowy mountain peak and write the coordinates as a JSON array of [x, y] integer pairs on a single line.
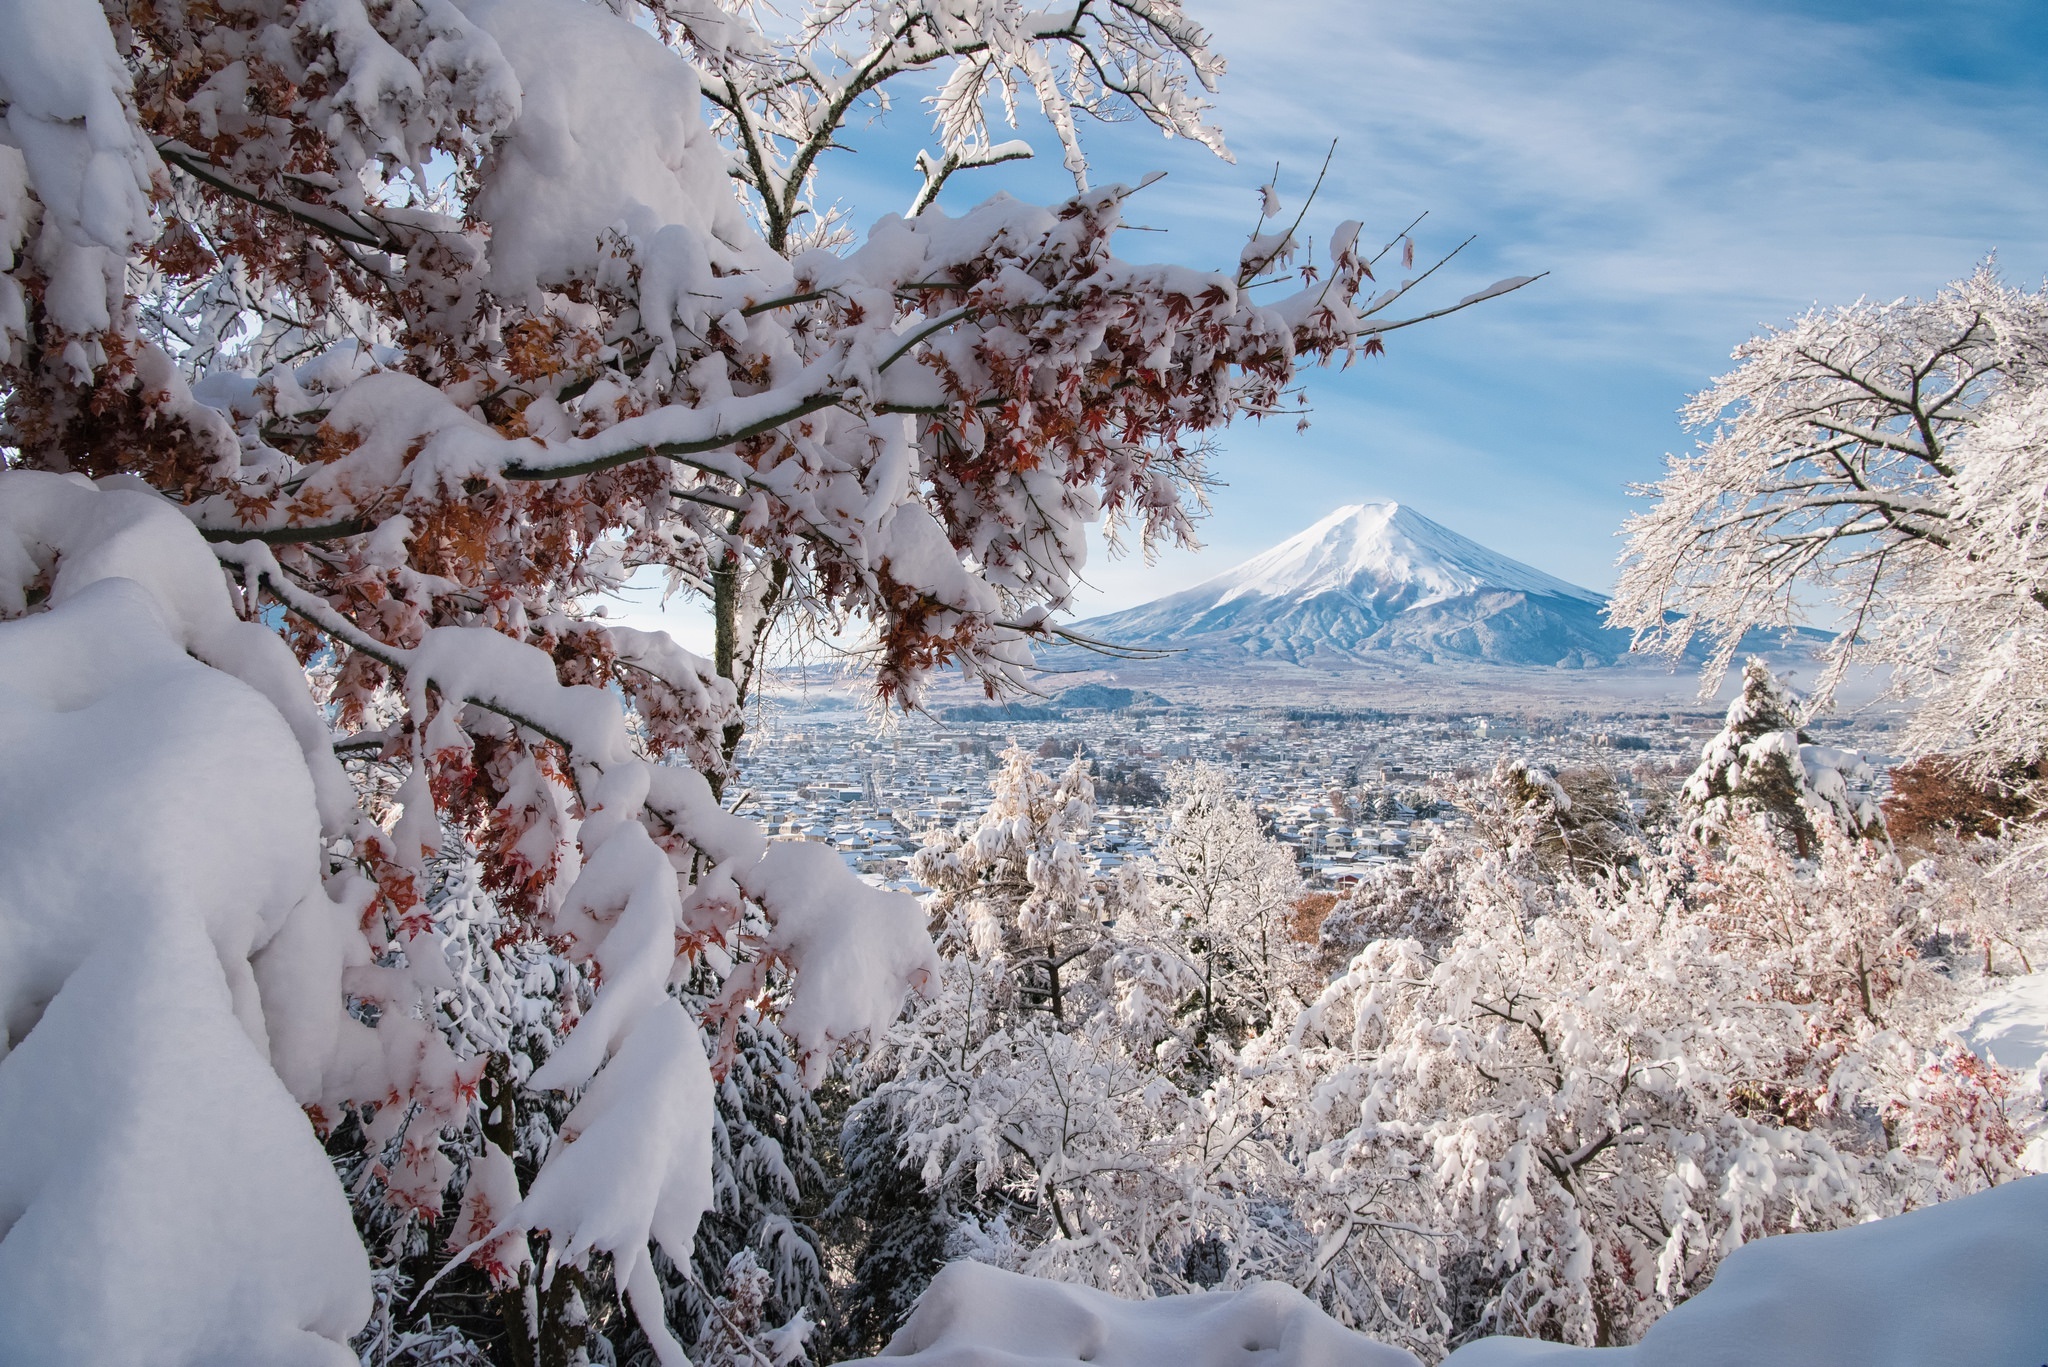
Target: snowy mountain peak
[[1380, 550], [1375, 580]]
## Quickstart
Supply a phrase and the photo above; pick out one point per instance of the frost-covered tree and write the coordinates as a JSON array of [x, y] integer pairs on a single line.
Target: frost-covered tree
[[346, 353], [1761, 765], [1577, 819], [1830, 460], [1977, 637], [1015, 882], [1557, 1120], [1888, 459], [1056, 1143], [1221, 896]]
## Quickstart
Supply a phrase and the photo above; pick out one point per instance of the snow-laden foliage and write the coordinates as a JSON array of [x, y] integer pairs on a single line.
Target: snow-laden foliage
[[1566, 1073], [1548, 1097], [1220, 893], [1017, 877], [1885, 455], [1043, 1100], [1558, 1120], [1761, 763], [335, 999], [474, 396]]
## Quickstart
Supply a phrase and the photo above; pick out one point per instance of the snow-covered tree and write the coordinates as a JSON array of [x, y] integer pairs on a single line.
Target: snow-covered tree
[[1760, 764], [1056, 1143], [1977, 633], [241, 882], [1577, 819], [1222, 893], [1015, 882], [1830, 460]]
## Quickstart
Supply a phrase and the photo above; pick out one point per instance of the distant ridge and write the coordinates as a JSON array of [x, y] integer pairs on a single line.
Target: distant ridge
[[1377, 582]]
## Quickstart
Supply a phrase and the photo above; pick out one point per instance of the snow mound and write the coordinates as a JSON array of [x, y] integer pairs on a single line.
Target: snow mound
[[1953, 1284], [974, 1315], [1958, 1283], [2010, 1026]]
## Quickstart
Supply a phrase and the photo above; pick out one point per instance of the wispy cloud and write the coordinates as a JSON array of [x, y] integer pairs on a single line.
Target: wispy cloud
[[1686, 172]]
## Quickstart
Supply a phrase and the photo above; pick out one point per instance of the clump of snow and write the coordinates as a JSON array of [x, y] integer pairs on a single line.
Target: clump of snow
[[610, 137], [874, 941], [68, 104], [1960, 1282], [169, 960], [977, 1316]]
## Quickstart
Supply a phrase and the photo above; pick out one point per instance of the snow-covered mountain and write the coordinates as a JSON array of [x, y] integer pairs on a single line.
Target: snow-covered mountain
[[1372, 581]]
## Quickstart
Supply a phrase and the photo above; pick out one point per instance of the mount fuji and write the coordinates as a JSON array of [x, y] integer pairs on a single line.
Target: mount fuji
[[1376, 582]]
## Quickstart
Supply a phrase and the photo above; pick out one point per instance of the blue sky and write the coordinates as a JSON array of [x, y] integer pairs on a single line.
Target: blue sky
[[1686, 173]]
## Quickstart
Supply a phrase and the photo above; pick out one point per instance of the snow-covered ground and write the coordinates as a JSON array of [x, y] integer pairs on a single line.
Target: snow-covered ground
[[974, 1315], [2010, 1028], [1962, 1283]]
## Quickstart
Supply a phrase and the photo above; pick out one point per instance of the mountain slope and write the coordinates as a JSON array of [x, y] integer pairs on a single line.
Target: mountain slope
[[1371, 581]]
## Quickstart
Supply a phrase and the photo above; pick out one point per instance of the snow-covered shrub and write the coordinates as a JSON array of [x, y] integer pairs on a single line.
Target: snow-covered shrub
[[1069, 1144], [1221, 896], [1016, 880], [1557, 1120], [1575, 819]]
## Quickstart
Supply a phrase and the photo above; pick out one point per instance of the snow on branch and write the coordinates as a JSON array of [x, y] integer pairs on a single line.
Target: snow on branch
[[1831, 467]]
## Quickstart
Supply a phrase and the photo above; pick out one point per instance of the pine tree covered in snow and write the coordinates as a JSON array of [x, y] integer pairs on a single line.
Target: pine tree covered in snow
[[1761, 765], [902, 1231]]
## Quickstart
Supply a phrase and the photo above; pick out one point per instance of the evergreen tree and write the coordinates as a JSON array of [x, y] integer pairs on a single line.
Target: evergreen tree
[[1761, 765]]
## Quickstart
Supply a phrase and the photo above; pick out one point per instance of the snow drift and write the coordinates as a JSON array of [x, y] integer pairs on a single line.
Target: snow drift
[[1957, 1283], [974, 1315]]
